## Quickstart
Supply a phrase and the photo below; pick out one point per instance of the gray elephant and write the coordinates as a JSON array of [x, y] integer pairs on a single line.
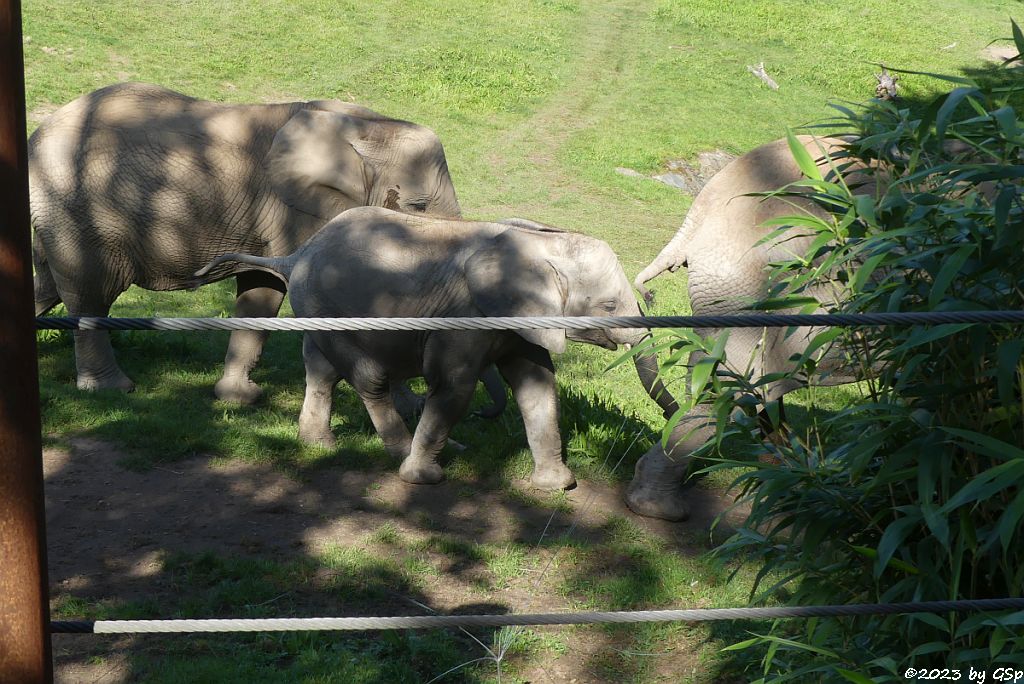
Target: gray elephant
[[137, 184], [371, 262], [727, 271]]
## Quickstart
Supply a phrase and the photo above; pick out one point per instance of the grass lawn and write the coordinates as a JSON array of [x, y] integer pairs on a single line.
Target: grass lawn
[[537, 102]]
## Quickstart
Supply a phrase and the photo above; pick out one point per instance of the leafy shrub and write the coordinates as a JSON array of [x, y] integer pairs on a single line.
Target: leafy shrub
[[916, 492]]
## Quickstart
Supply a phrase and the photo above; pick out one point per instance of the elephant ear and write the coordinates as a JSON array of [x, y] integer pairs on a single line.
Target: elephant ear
[[314, 167], [506, 280]]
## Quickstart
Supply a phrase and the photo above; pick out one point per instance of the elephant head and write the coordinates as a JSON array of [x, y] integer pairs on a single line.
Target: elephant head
[[324, 161], [537, 270]]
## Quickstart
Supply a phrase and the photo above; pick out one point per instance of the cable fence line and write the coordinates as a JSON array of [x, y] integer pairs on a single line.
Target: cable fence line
[[740, 320], [579, 618], [743, 320]]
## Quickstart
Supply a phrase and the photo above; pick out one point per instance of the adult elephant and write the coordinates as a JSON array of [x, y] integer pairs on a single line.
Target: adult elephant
[[137, 184], [372, 262], [727, 270]]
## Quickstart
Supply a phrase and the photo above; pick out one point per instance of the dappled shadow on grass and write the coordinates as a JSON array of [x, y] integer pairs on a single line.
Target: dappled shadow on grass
[[193, 537]]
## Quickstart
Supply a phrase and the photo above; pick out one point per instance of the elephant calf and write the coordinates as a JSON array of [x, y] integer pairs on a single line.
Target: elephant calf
[[371, 262]]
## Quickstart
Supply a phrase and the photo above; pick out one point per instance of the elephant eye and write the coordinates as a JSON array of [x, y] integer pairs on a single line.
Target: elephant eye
[[610, 305], [419, 205]]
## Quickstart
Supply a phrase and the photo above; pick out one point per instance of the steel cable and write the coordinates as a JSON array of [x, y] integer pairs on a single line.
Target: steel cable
[[745, 320]]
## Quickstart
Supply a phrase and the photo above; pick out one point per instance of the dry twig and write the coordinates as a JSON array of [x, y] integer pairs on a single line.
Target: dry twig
[[763, 75]]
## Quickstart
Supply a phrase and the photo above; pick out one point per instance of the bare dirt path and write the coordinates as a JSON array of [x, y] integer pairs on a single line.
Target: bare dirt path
[[574, 108], [110, 529]]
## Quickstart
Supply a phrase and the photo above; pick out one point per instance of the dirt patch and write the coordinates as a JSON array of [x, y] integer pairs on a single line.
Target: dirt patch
[[110, 528], [1000, 53], [686, 176]]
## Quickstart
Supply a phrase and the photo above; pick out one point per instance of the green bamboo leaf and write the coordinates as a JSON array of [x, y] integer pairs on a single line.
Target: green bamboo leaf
[[921, 336], [996, 642], [718, 351], [980, 173], [1009, 521], [1007, 359], [865, 205], [855, 677], [937, 523], [970, 624], [1003, 204], [894, 534], [984, 485], [803, 158], [699, 374], [974, 622], [893, 562], [953, 100], [779, 641], [743, 644], [932, 620], [1018, 38], [865, 271], [1006, 117], [988, 445], [950, 269], [930, 647], [809, 220], [787, 302]]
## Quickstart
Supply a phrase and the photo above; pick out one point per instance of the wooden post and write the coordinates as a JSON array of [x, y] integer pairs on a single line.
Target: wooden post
[[24, 610]]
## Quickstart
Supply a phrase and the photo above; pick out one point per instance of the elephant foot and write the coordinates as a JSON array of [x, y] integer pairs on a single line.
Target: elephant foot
[[323, 439], [656, 489], [237, 390], [115, 380], [552, 478], [654, 502], [420, 471]]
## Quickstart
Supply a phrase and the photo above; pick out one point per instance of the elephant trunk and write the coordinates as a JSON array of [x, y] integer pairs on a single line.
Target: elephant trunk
[[670, 258], [647, 369]]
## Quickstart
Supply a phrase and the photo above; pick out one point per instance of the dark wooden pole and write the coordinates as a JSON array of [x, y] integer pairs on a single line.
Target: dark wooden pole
[[24, 610]]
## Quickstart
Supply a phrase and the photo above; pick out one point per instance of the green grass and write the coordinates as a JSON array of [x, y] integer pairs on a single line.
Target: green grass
[[537, 103]]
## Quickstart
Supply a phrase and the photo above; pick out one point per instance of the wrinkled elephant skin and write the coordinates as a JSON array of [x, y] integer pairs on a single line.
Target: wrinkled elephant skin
[[727, 270], [137, 184], [415, 266]]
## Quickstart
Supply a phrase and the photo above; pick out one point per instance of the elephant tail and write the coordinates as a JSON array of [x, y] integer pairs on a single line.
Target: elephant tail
[[670, 258], [279, 266], [45, 287]]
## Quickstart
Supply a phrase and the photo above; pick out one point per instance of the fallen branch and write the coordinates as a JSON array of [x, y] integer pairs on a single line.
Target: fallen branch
[[763, 75]]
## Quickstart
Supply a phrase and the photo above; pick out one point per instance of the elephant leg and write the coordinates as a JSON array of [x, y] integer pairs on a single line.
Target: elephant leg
[[532, 379], [447, 402], [95, 362], [388, 423], [321, 379], [259, 296], [656, 489]]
